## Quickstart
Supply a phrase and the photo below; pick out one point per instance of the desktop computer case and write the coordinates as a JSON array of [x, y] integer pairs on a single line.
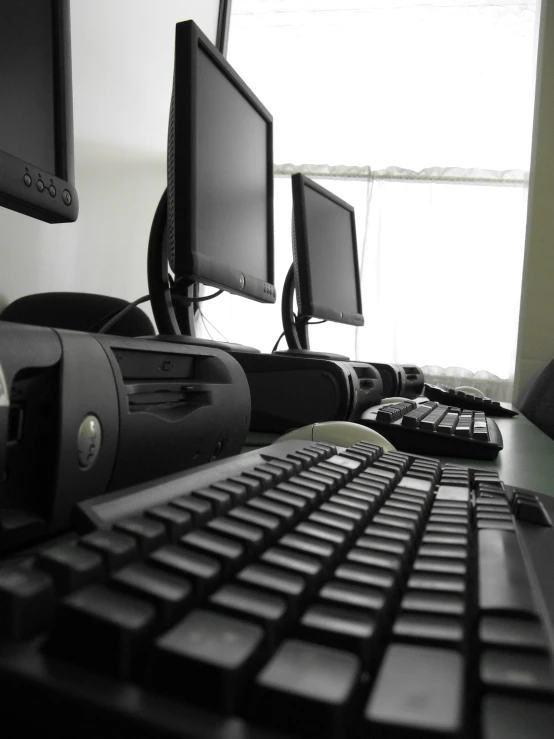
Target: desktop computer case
[[83, 414], [405, 381], [292, 391]]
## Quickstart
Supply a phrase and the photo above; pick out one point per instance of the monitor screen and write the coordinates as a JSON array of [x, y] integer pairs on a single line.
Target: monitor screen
[[325, 254], [36, 136], [220, 174]]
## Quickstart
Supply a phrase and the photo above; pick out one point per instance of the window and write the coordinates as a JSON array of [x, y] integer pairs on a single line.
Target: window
[[420, 115]]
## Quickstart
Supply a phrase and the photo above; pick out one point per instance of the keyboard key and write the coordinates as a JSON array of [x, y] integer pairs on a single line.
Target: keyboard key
[[250, 486], [200, 510], [350, 594], [309, 545], [346, 525], [177, 521], [149, 535], [204, 572], [116, 549], [291, 586], [207, 659], [520, 671], [267, 609], [434, 602], [27, 601], [418, 689], [297, 503], [437, 582], [284, 513], [309, 687], [70, 566], [382, 544], [220, 500], [451, 492], [237, 488], [340, 627], [370, 576], [513, 632], [388, 562], [503, 583], [445, 551], [230, 553], [429, 628], [440, 565], [101, 629], [325, 533], [252, 538], [504, 717], [265, 521], [170, 595], [302, 564], [345, 511]]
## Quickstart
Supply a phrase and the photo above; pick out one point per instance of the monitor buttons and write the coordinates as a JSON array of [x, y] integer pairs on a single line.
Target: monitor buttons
[[40, 185], [242, 282], [27, 179], [66, 197], [52, 191]]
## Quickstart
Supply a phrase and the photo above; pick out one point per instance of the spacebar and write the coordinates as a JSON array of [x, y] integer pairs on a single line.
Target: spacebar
[[503, 583]]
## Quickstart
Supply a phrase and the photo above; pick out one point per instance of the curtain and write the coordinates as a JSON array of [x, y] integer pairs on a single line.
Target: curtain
[[419, 115]]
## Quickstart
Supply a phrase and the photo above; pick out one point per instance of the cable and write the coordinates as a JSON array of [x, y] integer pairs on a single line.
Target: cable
[[205, 326], [315, 323], [105, 327], [277, 343], [204, 318], [189, 301], [120, 314]]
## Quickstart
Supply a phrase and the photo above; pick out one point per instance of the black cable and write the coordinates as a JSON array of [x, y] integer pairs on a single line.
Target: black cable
[[189, 301], [110, 322], [120, 314], [277, 343]]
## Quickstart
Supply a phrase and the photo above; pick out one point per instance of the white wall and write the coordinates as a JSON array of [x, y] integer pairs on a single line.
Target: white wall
[[122, 53], [536, 324]]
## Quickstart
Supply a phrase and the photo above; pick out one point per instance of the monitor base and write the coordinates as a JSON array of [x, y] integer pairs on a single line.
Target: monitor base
[[225, 346], [308, 354]]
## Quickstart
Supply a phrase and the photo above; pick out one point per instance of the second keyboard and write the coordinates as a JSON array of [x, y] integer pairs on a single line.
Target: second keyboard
[[432, 428]]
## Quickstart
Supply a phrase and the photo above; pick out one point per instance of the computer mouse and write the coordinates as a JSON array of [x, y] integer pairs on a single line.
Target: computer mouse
[[341, 433], [472, 390]]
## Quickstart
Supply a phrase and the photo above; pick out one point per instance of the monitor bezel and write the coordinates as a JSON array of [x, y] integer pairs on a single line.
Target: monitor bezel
[[15, 193], [189, 263], [307, 309]]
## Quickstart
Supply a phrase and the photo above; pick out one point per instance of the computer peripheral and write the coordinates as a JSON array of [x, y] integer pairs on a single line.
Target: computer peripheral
[[468, 399], [82, 414], [36, 133], [216, 224], [295, 591], [472, 390], [339, 433], [427, 427]]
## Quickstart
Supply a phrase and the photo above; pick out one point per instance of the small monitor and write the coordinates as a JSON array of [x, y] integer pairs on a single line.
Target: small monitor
[[220, 174], [325, 255], [36, 111]]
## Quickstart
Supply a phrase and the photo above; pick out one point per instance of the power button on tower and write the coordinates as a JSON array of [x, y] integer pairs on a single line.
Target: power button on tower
[[89, 441]]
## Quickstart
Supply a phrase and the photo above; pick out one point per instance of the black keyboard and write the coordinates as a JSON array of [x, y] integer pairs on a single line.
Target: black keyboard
[[427, 427], [296, 590], [469, 401]]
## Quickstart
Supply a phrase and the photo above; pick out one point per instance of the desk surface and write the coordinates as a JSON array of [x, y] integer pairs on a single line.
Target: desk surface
[[527, 459]]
